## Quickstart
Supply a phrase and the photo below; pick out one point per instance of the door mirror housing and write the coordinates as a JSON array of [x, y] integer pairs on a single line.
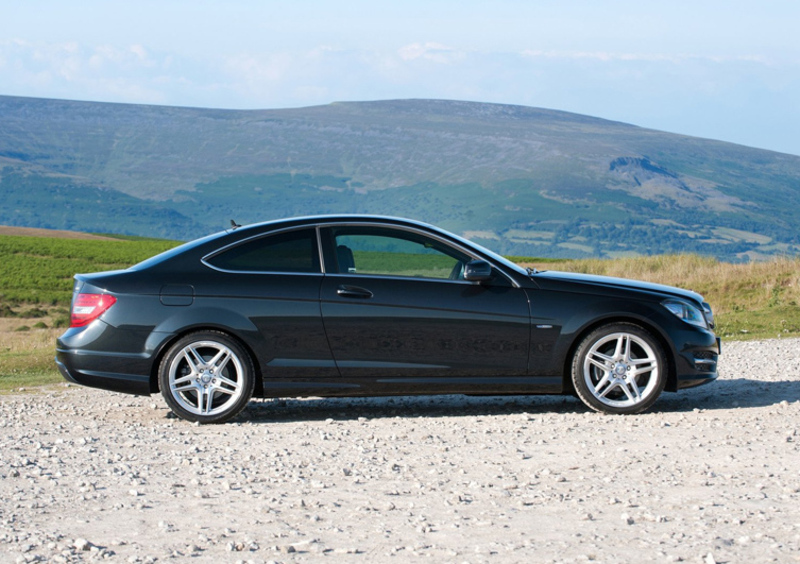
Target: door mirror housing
[[478, 271]]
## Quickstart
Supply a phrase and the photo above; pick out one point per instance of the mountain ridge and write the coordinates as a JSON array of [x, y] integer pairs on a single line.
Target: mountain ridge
[[533, 181]]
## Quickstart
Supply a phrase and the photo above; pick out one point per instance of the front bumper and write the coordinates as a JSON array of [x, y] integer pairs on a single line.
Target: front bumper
[[697, 363]]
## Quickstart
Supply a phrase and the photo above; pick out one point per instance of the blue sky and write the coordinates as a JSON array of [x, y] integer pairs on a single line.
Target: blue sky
[[726, 70]]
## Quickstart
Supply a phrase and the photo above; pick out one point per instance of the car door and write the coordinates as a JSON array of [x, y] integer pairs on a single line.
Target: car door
[[396, 309]]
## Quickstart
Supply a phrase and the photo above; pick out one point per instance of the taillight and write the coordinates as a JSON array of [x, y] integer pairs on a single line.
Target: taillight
[[88, 307]]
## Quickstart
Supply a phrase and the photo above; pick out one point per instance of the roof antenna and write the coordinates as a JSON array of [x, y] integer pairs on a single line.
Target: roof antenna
[[234, 225]]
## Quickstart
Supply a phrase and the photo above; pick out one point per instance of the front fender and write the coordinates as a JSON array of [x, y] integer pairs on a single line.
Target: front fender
[[558, 324]]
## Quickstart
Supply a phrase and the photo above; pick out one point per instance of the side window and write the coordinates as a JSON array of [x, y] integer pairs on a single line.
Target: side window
[[292, 251], [390, 252]]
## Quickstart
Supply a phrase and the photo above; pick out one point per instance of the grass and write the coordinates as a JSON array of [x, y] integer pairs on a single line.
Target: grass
[[39, 270], [26, 357], [756, 300]]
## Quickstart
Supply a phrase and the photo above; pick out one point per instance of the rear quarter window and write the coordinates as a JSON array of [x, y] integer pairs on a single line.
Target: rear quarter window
[[292, 251]]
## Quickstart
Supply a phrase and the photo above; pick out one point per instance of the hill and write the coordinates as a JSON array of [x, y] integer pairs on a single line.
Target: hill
[[520, 180]]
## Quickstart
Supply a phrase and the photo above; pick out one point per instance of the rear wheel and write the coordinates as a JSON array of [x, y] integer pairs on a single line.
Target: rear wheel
[[206, 377], [619, 368]]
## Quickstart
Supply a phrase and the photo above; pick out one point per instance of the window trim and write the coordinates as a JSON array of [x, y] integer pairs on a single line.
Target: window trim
[[314, 228]]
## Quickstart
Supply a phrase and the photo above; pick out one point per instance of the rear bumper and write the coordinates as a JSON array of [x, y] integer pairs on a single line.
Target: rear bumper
[[83, 357], [78, 371]]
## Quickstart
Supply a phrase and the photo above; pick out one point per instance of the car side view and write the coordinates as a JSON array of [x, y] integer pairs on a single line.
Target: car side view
[[371, 305]]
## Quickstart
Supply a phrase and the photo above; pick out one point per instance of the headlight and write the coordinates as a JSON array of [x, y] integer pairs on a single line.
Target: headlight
[[687, 312]]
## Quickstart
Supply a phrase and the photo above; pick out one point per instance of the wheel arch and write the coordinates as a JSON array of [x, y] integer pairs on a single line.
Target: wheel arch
[[166, 345], [653, 329]]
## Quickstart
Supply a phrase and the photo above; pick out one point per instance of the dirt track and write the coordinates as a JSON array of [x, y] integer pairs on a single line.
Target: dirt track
[[710, 475]]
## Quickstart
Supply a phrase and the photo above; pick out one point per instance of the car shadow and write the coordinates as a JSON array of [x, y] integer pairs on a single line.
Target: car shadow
[[731, 393], [737, 393], [345, 409]]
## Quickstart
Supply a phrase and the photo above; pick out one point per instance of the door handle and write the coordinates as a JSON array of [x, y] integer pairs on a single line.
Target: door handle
[[353, 292]]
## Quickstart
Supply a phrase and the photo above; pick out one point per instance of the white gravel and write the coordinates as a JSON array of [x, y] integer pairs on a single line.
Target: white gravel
[[710, 475]]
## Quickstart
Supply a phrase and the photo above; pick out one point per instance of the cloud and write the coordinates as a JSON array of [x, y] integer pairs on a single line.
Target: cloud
[[269, 68], [435, 52], [73, 70], [606, 56]]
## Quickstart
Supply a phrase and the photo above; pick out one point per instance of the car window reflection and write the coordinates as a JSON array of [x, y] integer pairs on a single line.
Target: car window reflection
[[388, 253]]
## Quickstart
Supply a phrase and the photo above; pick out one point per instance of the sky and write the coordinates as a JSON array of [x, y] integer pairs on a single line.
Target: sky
[[727, 70]]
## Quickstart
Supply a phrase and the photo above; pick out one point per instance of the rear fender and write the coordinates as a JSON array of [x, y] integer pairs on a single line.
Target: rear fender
[[187, 321], [207, 317]]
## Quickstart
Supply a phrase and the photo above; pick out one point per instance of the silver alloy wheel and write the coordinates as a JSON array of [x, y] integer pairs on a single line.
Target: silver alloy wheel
[[206, 378], [621, 370]]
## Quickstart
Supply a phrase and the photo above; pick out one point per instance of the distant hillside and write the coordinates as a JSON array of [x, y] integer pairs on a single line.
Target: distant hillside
[[520, 180]]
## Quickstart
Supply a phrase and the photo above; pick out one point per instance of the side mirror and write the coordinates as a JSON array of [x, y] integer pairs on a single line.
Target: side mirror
[[478, 271]]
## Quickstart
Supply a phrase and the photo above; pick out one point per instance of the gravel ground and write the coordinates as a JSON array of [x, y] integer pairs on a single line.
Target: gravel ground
[[709, 475]]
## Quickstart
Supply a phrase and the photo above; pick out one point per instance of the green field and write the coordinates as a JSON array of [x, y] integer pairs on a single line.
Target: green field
[[39, 270], [753, 300]]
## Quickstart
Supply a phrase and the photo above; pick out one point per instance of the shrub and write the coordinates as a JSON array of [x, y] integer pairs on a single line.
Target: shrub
[[33, 313]]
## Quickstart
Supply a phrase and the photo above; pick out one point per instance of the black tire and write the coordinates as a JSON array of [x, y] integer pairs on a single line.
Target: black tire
[[206, 377], [619, 368]]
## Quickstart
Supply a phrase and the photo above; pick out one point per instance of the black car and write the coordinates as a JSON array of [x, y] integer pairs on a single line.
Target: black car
[[364, 305]]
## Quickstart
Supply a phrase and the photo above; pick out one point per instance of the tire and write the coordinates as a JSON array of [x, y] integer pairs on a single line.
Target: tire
[[206, 377], [619, 368]]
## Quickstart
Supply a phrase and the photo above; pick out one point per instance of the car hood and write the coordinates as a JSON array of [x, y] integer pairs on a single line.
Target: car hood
[[611, 282]]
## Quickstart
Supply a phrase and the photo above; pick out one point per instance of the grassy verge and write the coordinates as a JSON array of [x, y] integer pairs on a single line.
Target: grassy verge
[[26, 356]]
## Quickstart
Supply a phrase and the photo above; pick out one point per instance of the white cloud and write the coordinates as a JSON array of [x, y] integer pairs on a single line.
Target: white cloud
[[435, 52], [271, 67], [139, 51], [606, 56], [73, 70], [130, 57]]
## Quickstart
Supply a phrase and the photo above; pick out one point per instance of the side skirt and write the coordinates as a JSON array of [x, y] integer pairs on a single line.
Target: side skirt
[[276, 388]]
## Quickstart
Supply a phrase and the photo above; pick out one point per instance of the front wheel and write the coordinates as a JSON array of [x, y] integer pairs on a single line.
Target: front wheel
[[206, 377], [619, 368]]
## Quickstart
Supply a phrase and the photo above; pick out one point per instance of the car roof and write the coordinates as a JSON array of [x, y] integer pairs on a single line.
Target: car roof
[[337, 218], [241, 232]]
